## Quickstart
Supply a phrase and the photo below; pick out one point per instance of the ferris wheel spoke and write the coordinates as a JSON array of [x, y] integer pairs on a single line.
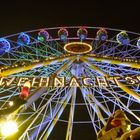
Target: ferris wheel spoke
[[37, 115], [117, 103], [45, 70], [107, 68], [93, 66], [90, 72], [5, 101], [128, 90], [109, 50], [124, 87], [90, 97], [65, 66], [57, 115], [122, 104], [113, 69], [5, 98], [37, 48], [37, 111], [71, 116], [49, 92], [47, 117], [37, 94], [99, 45], [103, 101], [49, 45], [32, 66], [34, 97], [119, 50], [21, 52], [22, 55], [127, 53], [50, 116], [113, 61], [92, 113], [107, 99], [93, 103]]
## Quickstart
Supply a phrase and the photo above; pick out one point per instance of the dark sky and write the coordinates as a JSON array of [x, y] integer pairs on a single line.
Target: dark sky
[[23, 15]]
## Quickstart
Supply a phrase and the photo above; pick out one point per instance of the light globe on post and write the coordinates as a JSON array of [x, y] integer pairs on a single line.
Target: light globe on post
[[8, 128]]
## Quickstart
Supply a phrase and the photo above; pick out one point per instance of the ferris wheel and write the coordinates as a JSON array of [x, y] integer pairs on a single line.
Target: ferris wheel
[[51, 75]]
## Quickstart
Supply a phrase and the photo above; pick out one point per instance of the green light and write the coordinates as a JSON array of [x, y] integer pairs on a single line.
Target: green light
[[41, 39]]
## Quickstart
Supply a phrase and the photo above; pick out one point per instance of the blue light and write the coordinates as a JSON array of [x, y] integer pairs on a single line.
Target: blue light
[[63, 34], [43, 36], [101, 35], [123, 38], [23, 39], [82, 34], [138, 43], [4, 46]]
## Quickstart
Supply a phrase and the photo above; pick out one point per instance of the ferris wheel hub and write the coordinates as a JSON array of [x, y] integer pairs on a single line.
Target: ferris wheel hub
[[77, 47]]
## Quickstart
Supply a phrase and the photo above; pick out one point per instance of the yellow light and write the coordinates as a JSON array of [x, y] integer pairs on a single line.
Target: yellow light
[[77, 47], [27, 84], [8, 128], [11, 103]]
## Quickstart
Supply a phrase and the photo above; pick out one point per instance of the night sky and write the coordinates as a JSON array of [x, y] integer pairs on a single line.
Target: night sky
[[19, 16], [30, 14]]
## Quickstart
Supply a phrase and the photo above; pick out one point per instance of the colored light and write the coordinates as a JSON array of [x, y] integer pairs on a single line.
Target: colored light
[[23, 39], [4, 46], [25, 90], [63, 34], [24, 93], [43, 36], [82, 33], [8, 128], [138, 43], [41, 39], [77, 48], [116, 123], [123, 38], [11, 103], [27, 84], [101, 35]]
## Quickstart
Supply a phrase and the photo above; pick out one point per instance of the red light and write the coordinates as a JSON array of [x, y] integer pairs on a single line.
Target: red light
[[116, 123], [25, 92]]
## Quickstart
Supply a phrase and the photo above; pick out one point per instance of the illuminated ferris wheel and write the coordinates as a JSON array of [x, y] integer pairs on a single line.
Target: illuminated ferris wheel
[[50, 72]]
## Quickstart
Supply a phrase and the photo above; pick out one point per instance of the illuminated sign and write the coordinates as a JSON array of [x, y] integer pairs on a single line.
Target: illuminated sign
[[68, 81]]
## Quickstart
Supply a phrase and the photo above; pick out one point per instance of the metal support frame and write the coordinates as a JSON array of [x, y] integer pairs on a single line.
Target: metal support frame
[[33, 66], [71, 116], [131, 64]]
